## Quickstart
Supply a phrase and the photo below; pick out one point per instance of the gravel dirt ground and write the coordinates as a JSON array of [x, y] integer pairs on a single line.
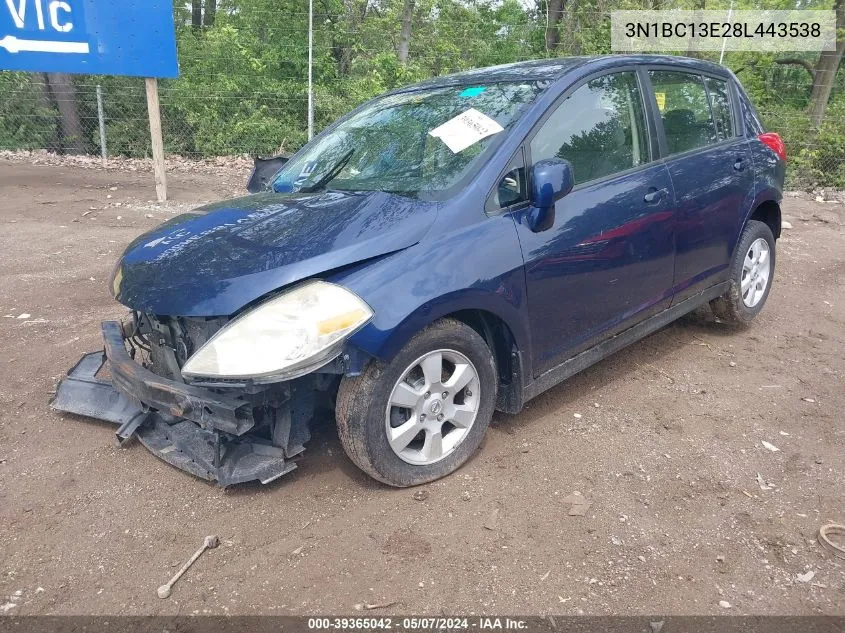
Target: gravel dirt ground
[[664, 438]]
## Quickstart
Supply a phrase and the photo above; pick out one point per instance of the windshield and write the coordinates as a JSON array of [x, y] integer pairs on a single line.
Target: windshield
[[411, 142]]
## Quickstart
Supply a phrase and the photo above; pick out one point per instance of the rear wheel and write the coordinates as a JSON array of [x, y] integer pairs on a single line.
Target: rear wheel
[[751, 275], [421, 416]]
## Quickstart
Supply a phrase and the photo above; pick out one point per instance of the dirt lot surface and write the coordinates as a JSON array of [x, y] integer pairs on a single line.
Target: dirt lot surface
[[665, 438]]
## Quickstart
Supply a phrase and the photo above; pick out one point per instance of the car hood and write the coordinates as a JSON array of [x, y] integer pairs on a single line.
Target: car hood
[[215, 260]]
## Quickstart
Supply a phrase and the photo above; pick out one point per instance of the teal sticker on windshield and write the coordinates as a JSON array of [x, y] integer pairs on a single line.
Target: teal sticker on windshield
[[472, 92]]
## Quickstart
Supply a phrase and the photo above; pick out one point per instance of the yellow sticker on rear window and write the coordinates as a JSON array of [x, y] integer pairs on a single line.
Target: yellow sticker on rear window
[[661, 100]]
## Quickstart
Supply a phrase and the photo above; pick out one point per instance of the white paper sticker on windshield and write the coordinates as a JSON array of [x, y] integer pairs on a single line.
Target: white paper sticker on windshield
[[466, 129]]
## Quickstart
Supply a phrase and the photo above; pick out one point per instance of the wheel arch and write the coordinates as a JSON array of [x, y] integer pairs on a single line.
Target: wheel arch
[[769, 213], [506, 337], [506, 354], [765, 208]]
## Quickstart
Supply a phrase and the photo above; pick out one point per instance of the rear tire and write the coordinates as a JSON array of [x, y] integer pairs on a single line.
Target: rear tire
[[419, 417], [752, 273]]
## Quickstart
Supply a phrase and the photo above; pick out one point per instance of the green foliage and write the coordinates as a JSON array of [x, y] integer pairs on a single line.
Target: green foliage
[[27, 118], [817, 158], [243, 82]]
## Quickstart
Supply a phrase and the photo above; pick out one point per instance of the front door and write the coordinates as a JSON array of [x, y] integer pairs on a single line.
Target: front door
[[606, 263]]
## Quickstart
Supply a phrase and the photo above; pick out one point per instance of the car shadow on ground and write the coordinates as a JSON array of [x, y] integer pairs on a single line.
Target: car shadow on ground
[[644, 355]]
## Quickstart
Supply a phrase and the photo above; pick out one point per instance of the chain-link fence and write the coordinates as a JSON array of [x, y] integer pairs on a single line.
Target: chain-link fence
[[243, 82]]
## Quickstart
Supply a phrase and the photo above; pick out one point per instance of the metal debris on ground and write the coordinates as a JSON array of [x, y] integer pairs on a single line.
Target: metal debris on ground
[[769, 446], [210, 542]]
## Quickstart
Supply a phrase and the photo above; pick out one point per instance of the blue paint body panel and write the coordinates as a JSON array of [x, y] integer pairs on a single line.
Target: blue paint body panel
[[612, 258], [224, 256], [99, 37]]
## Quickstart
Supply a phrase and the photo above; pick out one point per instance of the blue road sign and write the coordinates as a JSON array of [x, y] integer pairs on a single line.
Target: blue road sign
[[101, 37]]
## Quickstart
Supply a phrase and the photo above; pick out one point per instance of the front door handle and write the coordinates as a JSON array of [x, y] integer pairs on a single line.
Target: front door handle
[[739, 164], [654, 195]]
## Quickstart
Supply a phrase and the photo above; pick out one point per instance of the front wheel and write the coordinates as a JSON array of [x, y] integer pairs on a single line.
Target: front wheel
[[421, 416], [752, 271]]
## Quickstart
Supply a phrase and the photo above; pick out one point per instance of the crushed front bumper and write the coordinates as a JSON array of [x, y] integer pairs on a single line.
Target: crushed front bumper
[[203, 431]]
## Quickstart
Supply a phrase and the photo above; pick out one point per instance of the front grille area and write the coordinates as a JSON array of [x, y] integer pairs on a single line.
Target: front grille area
[[164, 343]]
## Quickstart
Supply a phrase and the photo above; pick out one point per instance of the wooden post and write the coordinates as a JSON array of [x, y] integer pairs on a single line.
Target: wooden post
[[155, 133], [101, 117]]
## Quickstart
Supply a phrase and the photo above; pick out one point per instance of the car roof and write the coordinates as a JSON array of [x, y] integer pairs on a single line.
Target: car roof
[[556, 68]]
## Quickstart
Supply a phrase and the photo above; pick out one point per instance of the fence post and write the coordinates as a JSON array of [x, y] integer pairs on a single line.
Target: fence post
[[155, 134], [101, 117]]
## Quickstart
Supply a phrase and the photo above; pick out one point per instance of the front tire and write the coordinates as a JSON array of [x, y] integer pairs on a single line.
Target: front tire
[[421, 416], [752, 272]]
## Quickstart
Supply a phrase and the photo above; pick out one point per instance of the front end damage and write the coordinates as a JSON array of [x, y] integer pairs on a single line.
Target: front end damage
[[226, 431]]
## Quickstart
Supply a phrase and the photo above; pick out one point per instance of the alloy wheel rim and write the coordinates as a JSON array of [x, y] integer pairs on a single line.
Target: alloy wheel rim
[[756, 270], [432, 407]]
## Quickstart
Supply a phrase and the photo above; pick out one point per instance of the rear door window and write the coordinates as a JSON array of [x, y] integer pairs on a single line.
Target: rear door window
[[600, 128], [685, 110]]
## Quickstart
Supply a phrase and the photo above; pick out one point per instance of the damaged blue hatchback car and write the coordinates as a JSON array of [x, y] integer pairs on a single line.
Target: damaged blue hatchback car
[[449, 249]]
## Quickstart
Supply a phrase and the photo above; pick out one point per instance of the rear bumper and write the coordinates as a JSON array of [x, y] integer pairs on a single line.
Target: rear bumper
[[198, 430]]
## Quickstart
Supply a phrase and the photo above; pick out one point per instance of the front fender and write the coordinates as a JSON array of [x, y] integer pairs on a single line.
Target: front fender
[[477, 267]]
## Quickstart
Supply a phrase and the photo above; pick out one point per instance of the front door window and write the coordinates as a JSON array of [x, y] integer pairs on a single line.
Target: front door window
[[600, 129]]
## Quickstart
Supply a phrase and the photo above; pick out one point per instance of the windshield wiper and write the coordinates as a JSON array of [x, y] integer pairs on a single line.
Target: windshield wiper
[[330, 175]]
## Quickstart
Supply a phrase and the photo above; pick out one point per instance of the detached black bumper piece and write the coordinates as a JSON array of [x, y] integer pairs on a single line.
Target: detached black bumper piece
[[196, 429]]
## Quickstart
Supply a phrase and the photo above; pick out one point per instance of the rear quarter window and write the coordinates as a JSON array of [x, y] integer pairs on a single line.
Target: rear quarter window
[[750, 118], [720, 101]]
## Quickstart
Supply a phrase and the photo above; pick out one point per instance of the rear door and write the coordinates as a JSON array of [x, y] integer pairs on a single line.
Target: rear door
[[710, 164], [606, 263]]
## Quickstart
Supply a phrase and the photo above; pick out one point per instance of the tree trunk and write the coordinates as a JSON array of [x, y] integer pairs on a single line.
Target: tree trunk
[[196, 14], [64, 93], [405, 34], [692, 51], [343, 54], [343, 47], [210, 13], [553, 16], [46, 101], [826, 68]]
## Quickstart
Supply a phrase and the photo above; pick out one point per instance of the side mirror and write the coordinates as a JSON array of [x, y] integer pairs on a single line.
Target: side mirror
[[551, 180], [263, 170]]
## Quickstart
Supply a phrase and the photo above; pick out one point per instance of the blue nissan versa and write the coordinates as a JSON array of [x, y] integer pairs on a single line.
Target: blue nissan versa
[[443, 251]]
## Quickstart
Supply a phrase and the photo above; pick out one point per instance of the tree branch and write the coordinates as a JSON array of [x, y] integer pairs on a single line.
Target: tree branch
[[794, 61]]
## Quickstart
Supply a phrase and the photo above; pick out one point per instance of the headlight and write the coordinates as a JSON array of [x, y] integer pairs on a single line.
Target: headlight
[[282, 338]]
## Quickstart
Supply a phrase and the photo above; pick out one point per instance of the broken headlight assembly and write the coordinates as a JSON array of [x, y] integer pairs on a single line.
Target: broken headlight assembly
[[284, 337]]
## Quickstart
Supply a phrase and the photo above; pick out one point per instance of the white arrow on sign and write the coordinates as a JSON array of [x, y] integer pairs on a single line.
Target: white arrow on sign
[[15, 45]]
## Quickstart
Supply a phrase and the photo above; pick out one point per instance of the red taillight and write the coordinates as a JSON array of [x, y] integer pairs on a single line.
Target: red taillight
[[775, 142]]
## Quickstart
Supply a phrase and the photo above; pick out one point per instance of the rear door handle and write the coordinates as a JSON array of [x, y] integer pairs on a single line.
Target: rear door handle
[[739, 164], [654, 195]]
